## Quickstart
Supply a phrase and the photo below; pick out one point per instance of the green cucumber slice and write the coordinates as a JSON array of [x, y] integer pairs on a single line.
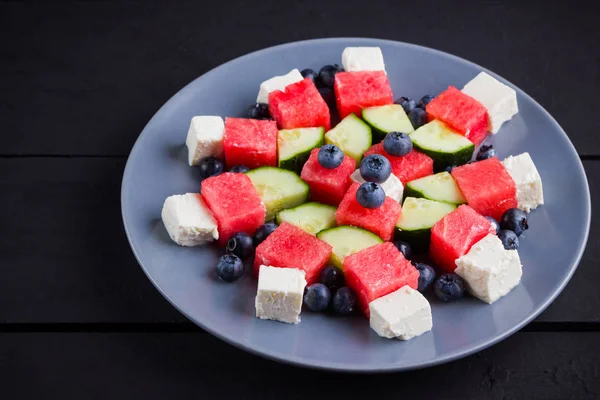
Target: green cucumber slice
[[278, 189], [294, 146], [438, 187], [444, 145], [386, 119], [352, 135], [311, 217], [347, 240]]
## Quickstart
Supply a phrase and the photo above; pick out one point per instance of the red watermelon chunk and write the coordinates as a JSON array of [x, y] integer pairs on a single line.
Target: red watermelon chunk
[[299, 106], [234, 203], [462, 112], [454, 234], [487, 186], [290, 247], [407, 168], [380, 221], [361, 89], [250, 142], [376, 271], [327, 185]]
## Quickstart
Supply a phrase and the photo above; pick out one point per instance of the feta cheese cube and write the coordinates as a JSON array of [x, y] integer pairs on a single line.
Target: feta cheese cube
[[499, 99], [402, 314], [205, 138], [188, 220], [277, 83], [529, 183], [489, 270], [392, 186], [279, 294], [363, 59]]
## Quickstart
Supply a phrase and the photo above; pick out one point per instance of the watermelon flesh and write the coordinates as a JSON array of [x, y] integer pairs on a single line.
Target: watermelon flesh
[[327, 186], [250, 142], [454, 234], [361, 89], [376, 271], [234, 203], [487, 186], [380, 221], [299, 106], [291, 247], [407, 168]]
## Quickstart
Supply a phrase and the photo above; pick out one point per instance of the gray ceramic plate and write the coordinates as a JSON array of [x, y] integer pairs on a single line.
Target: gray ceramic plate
[[157, 168]]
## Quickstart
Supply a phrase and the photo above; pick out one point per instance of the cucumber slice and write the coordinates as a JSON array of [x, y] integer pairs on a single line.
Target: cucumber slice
[[438, 187], [310, 217], [386, 119], [415, 222], [294, 146], [278, 189], [444, 145], [347, 240], [352, 135]]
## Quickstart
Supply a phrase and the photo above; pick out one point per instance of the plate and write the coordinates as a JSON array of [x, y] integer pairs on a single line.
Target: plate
[[157, 167]]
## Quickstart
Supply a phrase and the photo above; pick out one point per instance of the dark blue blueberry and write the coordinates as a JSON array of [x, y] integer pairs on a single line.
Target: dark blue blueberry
[[425, 100], [240, 244], [309, 73], [404, 248], [327, 75], [344, 301], [407, 103], [449, 168], [317, 297], [263, 232], [329, 96], [397, 144], [486, 151], [239, 169], [332, 277], [210, 166], [449, 287], [375, 168], [509, 239], [370, 195], [230, 268], [418, 117], [495, 223], [259, 111], [515, 220], [426, 276], [330, 156]]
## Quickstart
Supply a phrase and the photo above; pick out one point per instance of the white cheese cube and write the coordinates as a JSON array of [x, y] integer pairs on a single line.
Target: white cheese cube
[[188, 220], [277, 83], [392, 186], [402, 314], [529, 183], [489, 270], [205, 138], [363, 59], [279, 294], [499, 99]]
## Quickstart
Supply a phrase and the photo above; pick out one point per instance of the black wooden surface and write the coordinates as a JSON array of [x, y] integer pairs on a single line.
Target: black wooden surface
[[79, 80]]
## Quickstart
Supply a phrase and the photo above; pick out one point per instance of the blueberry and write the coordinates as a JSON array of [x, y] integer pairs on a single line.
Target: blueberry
[[375, 168], [449, 287], [263, 232], [494, 223], [486, 151], [240, 244], [327, 75], [426, 276], [230, 268], [449, 168], [317, 297], [515, 220], [509, 239], [418, 117], [309, 73], [425, 100], [332, 277], [344, 301], [407, 103], [259, 111], [211, 166], [397, 144], [239, 169], [330, 156], [370, 195], [404, 248], [329, 96]]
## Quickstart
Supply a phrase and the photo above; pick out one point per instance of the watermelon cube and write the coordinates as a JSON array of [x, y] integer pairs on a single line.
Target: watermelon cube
[[291, 247], [487, 186], [454, 234], [250, 142], [376, 271], [361, 89], [327, 185], [235, 204], [380, 221], [461, 112], [299, 106], [407, 168]]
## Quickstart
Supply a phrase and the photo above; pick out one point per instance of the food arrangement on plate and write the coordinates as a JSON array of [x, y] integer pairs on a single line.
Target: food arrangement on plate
[[398, 199]]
